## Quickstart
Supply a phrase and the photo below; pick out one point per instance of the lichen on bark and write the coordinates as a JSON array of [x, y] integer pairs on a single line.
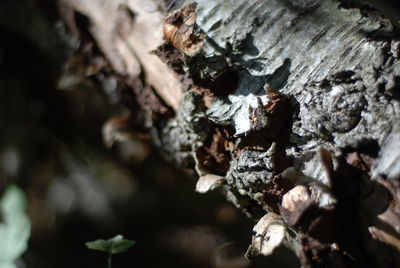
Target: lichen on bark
[[272, 84], [320, 62]]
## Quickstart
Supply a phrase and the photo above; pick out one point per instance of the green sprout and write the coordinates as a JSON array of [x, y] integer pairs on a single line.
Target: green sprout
[[114, 245]]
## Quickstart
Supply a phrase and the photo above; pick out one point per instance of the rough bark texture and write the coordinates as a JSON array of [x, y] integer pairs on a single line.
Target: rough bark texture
[[307, 84]]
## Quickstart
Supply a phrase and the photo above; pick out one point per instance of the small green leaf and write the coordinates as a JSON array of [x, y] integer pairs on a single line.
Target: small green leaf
[[113, 245], [100, 245], [122, 246]]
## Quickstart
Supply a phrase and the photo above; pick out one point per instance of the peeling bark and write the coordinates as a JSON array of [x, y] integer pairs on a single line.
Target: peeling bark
[[273, 83]]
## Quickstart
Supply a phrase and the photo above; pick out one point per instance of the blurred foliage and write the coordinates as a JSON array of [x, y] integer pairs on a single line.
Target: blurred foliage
[[15, 226]]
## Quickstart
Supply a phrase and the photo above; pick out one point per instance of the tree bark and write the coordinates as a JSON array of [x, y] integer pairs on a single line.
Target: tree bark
[[290, 107]]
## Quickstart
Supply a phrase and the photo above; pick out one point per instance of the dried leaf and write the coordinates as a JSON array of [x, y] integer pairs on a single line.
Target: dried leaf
[[268, 234], [209, 182], [295, 203]]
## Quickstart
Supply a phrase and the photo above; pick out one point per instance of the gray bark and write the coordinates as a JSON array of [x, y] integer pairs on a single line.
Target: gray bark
[[278, 84]]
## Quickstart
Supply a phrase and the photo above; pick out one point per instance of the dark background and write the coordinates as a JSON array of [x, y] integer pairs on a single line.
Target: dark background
[[51, 145]]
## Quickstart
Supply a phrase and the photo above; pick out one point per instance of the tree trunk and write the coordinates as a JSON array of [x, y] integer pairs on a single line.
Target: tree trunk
[[290, 107]]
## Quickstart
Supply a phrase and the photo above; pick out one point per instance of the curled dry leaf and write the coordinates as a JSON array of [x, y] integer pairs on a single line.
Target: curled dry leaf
[[268, 234], [294, 204], [299, 178], [179, 28], [209, 182]]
